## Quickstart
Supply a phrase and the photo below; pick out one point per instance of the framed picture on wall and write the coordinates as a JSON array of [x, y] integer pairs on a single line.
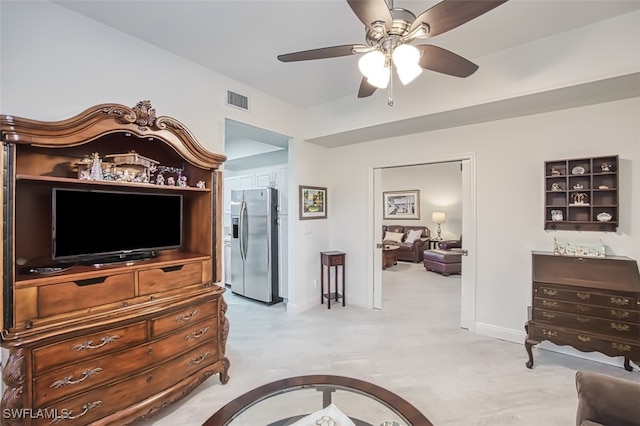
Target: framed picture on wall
[[401, 204], [313, 202]]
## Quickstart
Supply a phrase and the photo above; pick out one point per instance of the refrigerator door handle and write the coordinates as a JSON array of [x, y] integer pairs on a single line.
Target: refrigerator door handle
[[243, 230]]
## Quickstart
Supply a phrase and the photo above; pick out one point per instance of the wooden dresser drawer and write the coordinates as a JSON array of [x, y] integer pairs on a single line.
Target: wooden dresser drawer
[[81, 348], [591, 297], [621, 329], [169, 278], [100, 402], [588, 342], [178, 319], [81, 294], [93, 372], [590, 310]]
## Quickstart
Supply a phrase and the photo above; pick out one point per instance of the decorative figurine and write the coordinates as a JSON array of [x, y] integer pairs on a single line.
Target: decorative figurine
[[578, 186], [160, 179], [171, 181], [579, 198], [557, 216], [555, 187], [555, 172], [606, 167], [182, 181], [96, 167], [200, 184]]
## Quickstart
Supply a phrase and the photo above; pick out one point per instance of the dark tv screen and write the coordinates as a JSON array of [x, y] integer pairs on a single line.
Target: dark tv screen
[[89, 225]]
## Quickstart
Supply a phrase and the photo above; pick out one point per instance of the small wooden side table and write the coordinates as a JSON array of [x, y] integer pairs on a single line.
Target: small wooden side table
[[433, 244], [389, 256], [330, 259]]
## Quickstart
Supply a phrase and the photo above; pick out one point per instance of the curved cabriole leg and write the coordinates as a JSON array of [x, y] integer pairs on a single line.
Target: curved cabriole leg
[[528, 344], [627, 365], [224, 374]]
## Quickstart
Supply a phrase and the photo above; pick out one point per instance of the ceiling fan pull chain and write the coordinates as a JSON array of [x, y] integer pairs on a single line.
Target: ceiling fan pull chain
[[390, 100]]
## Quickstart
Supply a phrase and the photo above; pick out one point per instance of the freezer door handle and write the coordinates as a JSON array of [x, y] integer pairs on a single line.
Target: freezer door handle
[[243, 231]]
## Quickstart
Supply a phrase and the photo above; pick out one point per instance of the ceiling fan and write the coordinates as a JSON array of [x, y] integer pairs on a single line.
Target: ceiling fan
[[390, 32]]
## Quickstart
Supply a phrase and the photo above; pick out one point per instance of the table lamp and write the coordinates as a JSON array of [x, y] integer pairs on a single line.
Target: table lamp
[[439, 217]]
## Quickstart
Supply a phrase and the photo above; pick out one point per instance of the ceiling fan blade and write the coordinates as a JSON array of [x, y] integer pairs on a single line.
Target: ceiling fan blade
[[321, 53], [441, 60], [449, 14], [366, 89], [370, 11]]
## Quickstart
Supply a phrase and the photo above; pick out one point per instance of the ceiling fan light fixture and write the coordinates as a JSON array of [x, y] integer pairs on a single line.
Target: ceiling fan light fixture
[[372, 63], [405, 56], [409, 73], [380, 78]]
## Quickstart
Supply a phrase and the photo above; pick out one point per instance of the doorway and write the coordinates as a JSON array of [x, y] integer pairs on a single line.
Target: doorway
[[468, 277]]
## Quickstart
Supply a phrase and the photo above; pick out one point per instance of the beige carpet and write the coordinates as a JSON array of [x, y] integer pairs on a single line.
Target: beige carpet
[[413, 347]]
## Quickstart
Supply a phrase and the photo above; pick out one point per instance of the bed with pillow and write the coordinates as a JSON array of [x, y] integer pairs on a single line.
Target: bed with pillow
[[411, 240]]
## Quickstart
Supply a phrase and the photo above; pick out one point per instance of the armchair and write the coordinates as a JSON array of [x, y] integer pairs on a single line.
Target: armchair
[[450, 244], [606, 400]]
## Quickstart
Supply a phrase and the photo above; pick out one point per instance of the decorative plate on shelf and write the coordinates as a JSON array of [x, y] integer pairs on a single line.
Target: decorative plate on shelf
[[578, 170]]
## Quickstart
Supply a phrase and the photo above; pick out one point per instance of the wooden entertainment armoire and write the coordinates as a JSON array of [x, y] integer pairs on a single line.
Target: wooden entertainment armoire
[[107, 344]]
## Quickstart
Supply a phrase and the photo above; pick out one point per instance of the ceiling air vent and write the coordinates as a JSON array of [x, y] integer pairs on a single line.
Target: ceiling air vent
[[237, 100]]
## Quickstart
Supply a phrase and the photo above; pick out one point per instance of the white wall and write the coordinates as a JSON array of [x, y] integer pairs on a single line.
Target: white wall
[[440, 186], [56, 63], [510, 157]]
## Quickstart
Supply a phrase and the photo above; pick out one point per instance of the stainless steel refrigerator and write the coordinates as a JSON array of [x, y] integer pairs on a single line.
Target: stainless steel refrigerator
[[254, 244]]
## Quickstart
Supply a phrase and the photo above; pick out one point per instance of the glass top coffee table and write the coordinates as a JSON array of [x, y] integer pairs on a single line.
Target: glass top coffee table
[[286, 401]]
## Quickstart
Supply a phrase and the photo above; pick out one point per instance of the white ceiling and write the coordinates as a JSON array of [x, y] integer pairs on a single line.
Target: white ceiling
[[241, 39]]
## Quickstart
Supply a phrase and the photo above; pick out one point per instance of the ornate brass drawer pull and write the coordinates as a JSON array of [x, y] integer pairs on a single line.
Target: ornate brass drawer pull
[[620, 301], [583, 308], [89, 343], [550, 303], [620, 327], [547, 315], [186, 317], [549, 333], [583, 320], [584, 339], [550, 292], [69, 413], [69, 379], [583, 296], [197, 334], [196, 361], [620, 347], [619, 313]]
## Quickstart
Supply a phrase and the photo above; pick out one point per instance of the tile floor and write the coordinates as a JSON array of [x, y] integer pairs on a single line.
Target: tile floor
[[413, 347]]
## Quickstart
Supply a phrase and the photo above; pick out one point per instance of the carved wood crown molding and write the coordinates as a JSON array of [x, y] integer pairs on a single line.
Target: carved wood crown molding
[[100, 120], [144, 115]]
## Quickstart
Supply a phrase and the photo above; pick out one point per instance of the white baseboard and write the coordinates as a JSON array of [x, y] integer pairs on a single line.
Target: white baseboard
[[296, 308]]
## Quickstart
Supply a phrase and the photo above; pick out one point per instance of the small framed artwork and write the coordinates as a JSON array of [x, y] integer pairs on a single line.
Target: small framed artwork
[[313, 202], [401, 204]]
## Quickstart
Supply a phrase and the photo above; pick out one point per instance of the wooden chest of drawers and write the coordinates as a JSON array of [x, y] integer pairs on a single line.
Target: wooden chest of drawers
[[94, 376], [591, 304]]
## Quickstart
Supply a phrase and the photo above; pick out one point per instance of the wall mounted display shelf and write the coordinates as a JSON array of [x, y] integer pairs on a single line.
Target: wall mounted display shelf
[[582, 194]]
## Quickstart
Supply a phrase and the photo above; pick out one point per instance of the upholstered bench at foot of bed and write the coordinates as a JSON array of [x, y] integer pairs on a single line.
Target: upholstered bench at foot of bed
[[445, 262]]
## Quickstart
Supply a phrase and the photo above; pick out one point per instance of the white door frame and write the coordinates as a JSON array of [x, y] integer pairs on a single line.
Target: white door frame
[[468, 278]]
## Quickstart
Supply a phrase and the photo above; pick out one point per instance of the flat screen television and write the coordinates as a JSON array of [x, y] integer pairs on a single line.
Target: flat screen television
[[98, 226]]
